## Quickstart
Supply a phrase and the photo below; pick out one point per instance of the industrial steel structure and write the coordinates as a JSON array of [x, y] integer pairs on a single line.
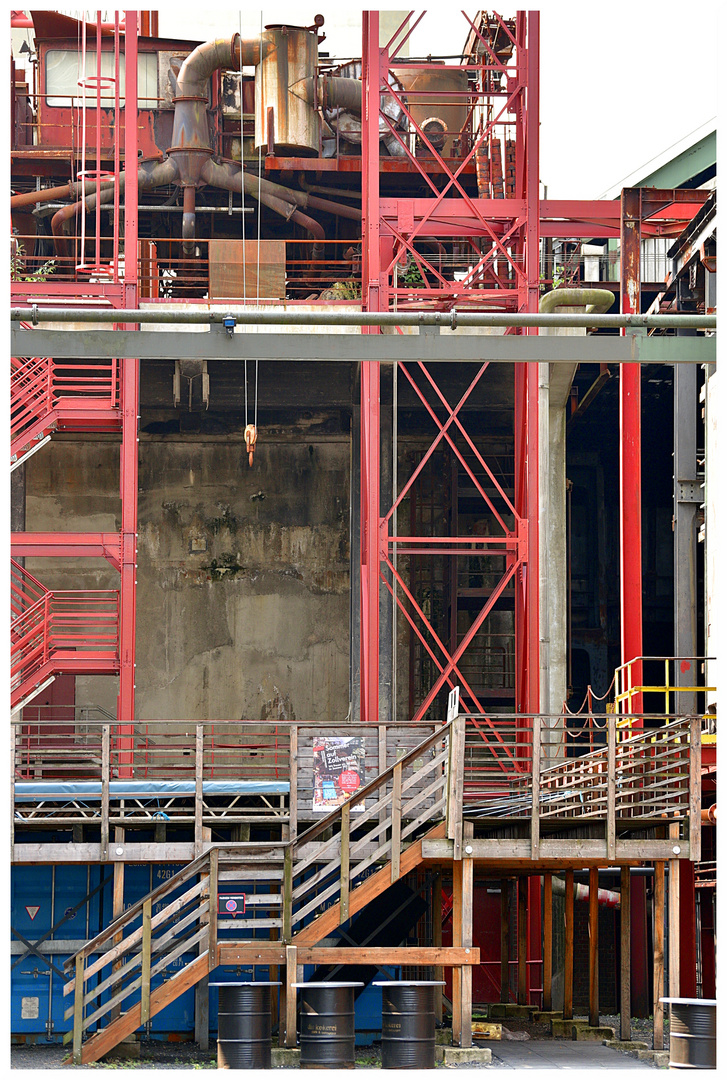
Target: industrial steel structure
[[371, 233]]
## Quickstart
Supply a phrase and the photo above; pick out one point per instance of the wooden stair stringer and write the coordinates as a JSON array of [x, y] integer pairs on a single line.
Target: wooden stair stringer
[[372, 887], [110, 1036]]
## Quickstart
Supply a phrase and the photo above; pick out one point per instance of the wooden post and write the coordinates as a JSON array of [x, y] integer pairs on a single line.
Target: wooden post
[[198, 789], [345, 866], [504, 941], [625, 953], [396, 825], [201, 989], [214, 870], [547, 943], [105, 768], [291, 972], [293, 797], [456, 942], [658, 1008], [695, 790], [674, 942], [145, 962], [288, 894], [437, 941], [382, 766], [535, 808], [117, 909], [78, 1011], [568, 972], [593, 1010], [611, 790], [13, 735], [522, 941], [466, 940]]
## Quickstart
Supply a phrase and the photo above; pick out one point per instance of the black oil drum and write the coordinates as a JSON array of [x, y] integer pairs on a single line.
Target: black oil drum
[[327, 1026], [693, 1033], [244, 1023], [407, 1024]]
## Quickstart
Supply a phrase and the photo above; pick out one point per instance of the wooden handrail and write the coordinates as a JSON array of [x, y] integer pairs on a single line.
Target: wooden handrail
[[373, 785], [132, 912]]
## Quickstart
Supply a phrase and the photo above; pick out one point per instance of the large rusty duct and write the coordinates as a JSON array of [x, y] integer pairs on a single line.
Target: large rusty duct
[[282, 54]]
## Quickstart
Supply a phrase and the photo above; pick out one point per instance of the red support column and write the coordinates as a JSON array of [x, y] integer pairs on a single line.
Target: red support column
[[370, 373], [630, 444], [130, 413], [630, 537]]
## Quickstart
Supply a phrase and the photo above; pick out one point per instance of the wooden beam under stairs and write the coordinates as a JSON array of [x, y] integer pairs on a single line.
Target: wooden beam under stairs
[[110, 1036], [372, 887]]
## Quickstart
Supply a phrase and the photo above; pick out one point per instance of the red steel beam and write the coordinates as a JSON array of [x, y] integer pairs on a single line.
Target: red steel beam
[[372, 290], [67, 545], [630, 546], [129, 422]]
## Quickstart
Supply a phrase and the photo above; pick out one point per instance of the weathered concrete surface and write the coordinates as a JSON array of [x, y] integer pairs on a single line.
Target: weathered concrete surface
[[243, 605], [243, 573], [458, 1055]]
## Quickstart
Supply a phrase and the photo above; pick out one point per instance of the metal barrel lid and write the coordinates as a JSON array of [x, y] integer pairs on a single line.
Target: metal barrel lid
[[317, 985], [245, 982], [409, 982]]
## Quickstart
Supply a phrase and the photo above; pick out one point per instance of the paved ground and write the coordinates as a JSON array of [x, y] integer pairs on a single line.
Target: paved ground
[[535, 1052], [560, 1054]]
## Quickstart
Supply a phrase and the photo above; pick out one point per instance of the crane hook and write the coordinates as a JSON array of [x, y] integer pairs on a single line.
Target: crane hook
[[250, 440]]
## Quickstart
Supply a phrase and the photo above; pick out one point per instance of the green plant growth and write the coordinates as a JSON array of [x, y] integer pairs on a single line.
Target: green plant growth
[[17, 265], [411, 275]]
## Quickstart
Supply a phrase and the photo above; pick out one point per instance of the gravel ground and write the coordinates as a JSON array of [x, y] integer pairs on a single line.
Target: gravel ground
[[187, 1055]]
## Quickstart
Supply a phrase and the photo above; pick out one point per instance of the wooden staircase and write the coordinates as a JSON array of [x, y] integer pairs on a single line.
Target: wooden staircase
[[351, 856]]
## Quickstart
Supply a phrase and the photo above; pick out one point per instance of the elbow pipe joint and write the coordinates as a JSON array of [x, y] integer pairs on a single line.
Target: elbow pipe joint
[[595, 301]]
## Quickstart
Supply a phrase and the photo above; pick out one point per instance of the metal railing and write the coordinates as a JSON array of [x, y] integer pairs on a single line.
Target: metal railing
[[665, 678], [79, 629]]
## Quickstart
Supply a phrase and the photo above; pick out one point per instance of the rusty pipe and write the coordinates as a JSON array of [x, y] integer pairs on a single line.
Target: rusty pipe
[[329, 92], [225, 53], [595, 301], [71, 211], [606, 897], [281, 200], [188, 221], [709, 817]]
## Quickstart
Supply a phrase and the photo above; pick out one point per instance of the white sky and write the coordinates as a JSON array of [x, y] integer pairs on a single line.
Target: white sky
[[619, 82]]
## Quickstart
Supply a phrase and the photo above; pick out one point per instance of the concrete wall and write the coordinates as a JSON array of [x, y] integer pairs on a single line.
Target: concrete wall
[[243, 575], [243, 603]]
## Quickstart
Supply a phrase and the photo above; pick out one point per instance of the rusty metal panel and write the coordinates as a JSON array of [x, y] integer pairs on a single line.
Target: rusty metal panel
[[231, 278]]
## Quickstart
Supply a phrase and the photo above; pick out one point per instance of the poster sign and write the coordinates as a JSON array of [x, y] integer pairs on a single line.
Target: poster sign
[[338, 772]]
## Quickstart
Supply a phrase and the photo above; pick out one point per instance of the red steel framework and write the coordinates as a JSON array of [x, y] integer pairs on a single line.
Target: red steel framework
[[504, 277], [79, 631], [502, 227]]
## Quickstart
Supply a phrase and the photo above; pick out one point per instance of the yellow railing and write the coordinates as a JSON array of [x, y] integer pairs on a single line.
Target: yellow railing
[[635, 678]]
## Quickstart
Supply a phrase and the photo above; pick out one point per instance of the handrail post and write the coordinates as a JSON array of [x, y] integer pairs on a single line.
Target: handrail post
[[13, 743], [288, 894], [611, 789], [145, 963], [198, 788], [695, 788], [293, 796], [105, 762], [535, 809], [78, 1010], [396, 824], [214, 866], [345, 862], [291, 971]]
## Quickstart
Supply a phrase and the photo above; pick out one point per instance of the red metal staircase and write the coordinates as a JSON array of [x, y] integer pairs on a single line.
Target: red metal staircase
[[46, 396], [54, 631]]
